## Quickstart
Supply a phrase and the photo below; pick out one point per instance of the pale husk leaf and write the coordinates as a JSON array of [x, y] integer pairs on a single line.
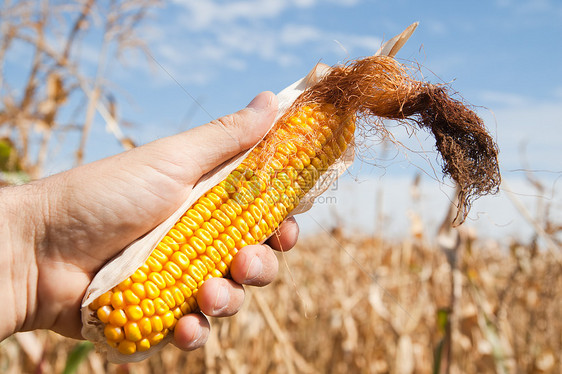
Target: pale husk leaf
[[133, 256]]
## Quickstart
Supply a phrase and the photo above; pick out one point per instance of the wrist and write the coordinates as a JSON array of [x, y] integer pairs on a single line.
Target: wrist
[[18, 268]]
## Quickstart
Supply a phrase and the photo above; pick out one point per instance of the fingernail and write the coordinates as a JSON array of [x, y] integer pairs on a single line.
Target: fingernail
[[254, 269], [222, 299], [197, 336], [260, 102]]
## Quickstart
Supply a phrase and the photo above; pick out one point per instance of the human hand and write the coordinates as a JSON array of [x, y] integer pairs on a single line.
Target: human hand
[[61, 230]]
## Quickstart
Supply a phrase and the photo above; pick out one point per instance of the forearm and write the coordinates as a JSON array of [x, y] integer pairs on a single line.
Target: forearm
[[18, 270]]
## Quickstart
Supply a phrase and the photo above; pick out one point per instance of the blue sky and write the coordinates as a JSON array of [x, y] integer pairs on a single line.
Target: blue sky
[[502, 56]]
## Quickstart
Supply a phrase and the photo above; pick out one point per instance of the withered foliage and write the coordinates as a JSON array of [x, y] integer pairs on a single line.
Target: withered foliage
[[346, 304], [59, 86]]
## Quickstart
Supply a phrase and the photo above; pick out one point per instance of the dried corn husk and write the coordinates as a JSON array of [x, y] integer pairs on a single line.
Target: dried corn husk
[[132, 257]]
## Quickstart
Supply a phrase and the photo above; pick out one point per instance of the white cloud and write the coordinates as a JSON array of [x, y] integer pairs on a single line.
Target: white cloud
[[390, 197], [353, 42], [304, 3], [504, 99], [299, 34], [436, 27], [529, 7], [208, 14], [525, 123], [208, 37]]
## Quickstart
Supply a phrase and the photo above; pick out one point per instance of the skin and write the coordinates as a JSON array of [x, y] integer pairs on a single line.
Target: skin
[[56, 233]]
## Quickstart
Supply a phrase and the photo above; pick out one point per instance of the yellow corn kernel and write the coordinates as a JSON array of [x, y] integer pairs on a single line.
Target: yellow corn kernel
[[160, 306], [185, 308], [134, 312], [153, 264], [181, 260], [176, 236], [189, 223], [139, 290], [204, 235], [220, 192], [139, 276], [222, 216], [213, 254], [221, 248], [202, 209], [239, 224], [113, 333], [234, 233], [198, 244], [189, 281], [152, 290], [178, 295], [125, 284], [209, 229], [201, 264], [168, 319], [143, 345], [165, 248], [217, 225], [104, 299], [127, 347], [103, 313], [236, 208], [174, 245], [132, 331], [207, 203], [196, 216], [177, 313], [185, 290], [192, 303], [227, 241], [228, 258], [158, 255], [147, 306], [248, 239], [256, 233], [174, 270], [168, 298], [228, 212], [184, 230], [117, 318], [205, 264], [264, 228], [168, 278], [216, 199], [157, 279], [247, 218], [195, 272], [156, 323], [130, 297], [155, 338], [117, 300], [189, 251], [145, 326]]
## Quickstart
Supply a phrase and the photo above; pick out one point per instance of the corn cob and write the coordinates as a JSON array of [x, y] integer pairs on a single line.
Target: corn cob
[[247, 206], [243, 209]]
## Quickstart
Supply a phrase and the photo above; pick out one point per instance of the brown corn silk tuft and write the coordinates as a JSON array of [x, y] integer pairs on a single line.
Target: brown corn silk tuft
[[378, 86]]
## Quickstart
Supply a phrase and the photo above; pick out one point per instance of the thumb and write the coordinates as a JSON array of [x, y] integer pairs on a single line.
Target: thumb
[[201, 149]]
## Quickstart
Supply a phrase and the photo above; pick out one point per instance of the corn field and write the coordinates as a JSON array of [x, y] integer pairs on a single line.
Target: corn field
[[365, 305], [342, 303]]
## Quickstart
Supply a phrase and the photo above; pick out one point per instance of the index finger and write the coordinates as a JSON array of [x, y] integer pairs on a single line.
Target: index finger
[[286, 235]]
